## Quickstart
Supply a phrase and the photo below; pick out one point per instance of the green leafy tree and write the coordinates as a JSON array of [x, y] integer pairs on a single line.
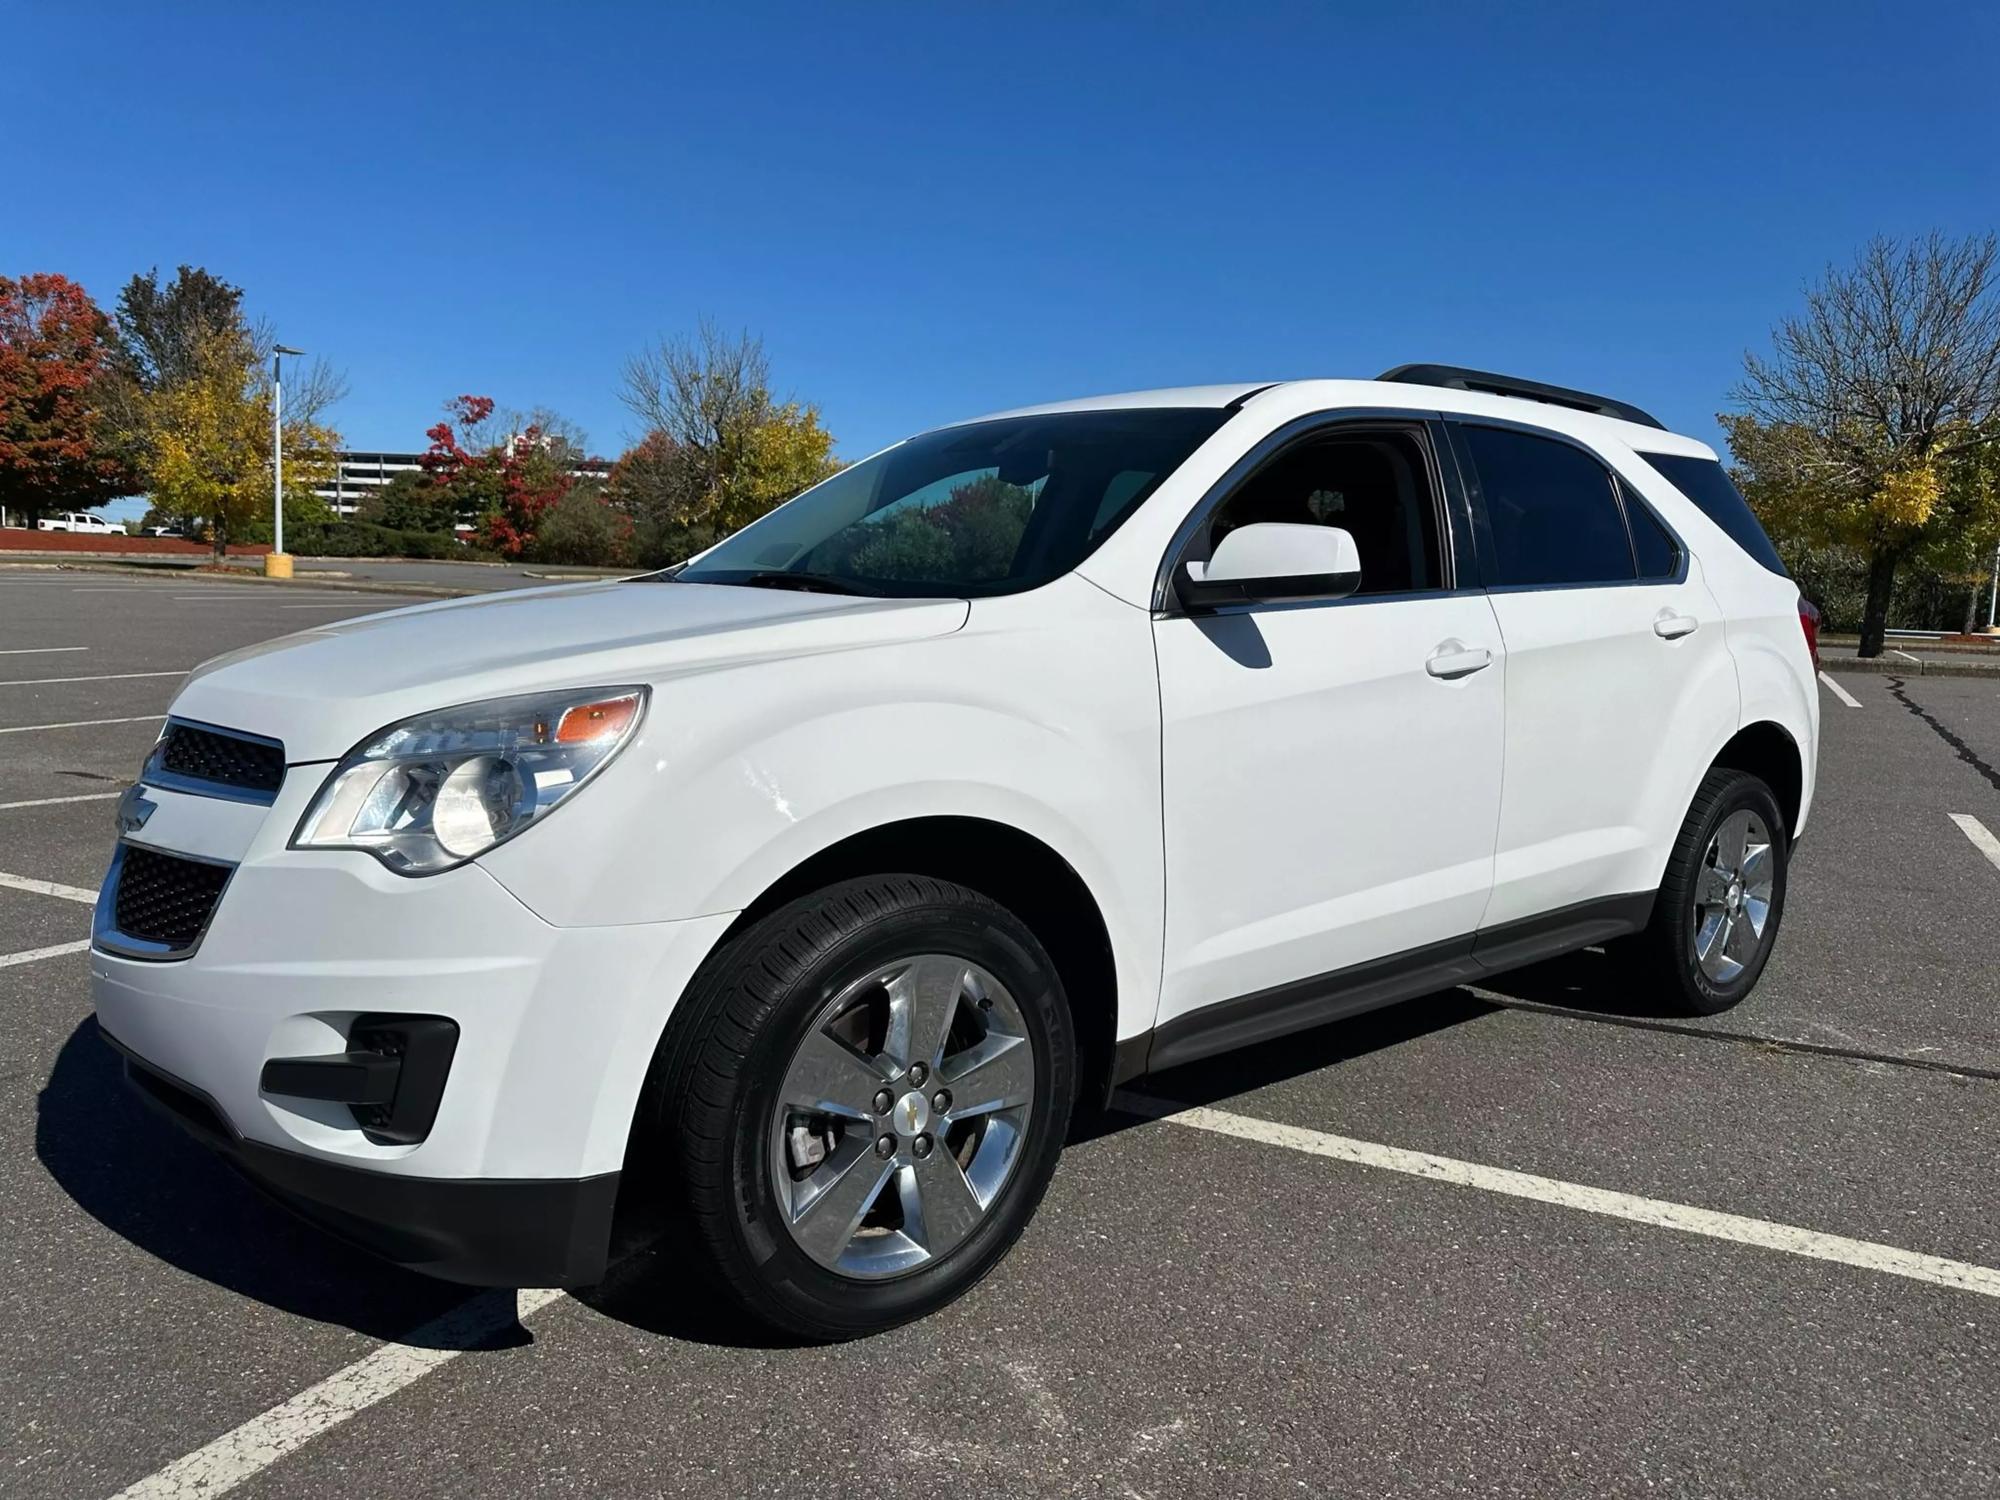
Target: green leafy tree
[[719, 449], [409, 502], [195, 408], [1871, 423]]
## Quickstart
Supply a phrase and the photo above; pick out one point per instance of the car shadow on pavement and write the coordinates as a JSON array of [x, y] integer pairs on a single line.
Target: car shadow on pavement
[[1216, 1079], [146, 1181]]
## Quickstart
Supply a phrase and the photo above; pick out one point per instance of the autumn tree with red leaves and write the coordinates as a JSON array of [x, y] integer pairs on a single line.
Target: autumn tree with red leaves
[[55, 448], [504, 475]]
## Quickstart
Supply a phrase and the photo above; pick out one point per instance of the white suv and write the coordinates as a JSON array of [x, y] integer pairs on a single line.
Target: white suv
[[1021, 759]]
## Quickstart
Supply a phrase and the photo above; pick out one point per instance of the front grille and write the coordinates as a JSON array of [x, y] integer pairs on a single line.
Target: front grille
[[164, 899], [221, 758]]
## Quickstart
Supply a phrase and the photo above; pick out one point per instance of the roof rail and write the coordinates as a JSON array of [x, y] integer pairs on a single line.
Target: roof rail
[[1460, 379]]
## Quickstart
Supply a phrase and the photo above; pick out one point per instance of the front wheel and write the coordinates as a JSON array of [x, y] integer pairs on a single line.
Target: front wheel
[[1721, 900], [866, 1099]]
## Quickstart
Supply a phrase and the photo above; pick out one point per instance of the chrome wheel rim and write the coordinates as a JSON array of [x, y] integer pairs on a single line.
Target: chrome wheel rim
[[901, 1116], [1732, 904]]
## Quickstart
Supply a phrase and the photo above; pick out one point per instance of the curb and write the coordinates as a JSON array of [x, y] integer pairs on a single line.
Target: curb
[[168, 575], [1882, 667]]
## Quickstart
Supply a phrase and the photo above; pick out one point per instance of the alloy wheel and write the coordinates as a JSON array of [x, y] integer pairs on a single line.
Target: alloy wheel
[[902, 1114], [1733, 896]]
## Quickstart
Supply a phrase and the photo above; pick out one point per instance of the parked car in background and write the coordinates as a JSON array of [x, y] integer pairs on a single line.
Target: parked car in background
[[798, 892], [80, 521], [171, 531]]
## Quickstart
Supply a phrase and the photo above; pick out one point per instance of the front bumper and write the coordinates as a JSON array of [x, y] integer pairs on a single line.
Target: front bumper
[[482, 1231], [513, 1180]]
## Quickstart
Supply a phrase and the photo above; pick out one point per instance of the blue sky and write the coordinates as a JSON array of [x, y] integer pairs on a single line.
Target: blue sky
[[932, 211]]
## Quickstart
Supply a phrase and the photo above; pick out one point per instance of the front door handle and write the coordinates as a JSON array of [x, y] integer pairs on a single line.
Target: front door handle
[[1669, 626], [1453, 659]]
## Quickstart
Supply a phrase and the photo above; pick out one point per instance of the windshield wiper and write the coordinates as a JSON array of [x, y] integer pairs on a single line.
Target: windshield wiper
[[809, 583]]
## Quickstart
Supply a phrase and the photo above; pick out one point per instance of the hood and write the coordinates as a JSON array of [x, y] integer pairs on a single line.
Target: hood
[[321, 691]]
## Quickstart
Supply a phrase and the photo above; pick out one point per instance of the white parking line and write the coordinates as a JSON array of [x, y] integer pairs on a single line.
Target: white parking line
[[1865, 1255], [54, 801], [35, 955], [39, 650], [1981, 836], [104, 677], [263, 1440], [1906, 656], [80, 724], [48, 888], [1840, 692]]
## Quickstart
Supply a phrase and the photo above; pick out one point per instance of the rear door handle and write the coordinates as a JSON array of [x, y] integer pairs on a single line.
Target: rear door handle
[[1453, 659], [1669, 626]]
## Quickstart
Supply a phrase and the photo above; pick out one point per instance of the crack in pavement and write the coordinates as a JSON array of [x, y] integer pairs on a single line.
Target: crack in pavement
[[1944, 732]]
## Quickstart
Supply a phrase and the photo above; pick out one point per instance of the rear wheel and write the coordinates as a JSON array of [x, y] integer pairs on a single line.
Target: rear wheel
[[865, 1100], [1721, 900]]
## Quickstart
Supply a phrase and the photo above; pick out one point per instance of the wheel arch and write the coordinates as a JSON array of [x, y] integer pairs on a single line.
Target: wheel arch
[[1767, 751], [1015, 868]]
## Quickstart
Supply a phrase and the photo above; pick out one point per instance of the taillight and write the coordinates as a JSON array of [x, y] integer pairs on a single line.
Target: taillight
[[1809, 623]]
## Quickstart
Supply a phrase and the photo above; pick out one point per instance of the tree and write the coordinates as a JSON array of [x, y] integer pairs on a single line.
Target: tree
[[55, 446], [409, 502], [196, 408], [1869, 424], [503, 473], [718, 449]]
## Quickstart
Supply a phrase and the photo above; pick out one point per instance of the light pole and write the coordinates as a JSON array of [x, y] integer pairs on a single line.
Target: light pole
[[278, 565], [1993, 599]]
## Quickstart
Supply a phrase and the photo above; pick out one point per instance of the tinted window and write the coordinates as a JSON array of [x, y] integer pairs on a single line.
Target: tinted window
[[1653, 546], [1373, 485], [1705, 482], [1554, 516], [987, 508]]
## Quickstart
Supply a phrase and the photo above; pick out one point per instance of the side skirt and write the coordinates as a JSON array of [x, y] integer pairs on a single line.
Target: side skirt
[[1301, 1004]]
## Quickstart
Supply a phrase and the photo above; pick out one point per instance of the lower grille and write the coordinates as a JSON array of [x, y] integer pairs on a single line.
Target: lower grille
[[164, 899]]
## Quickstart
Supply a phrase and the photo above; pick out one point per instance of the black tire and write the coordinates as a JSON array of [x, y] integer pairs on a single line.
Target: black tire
[[1662, 959], [718, 1077]]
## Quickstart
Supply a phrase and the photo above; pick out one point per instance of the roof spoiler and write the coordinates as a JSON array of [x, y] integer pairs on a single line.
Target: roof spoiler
[[1458, 378]]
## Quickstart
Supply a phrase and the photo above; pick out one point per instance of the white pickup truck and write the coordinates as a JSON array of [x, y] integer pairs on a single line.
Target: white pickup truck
[[82, 521]]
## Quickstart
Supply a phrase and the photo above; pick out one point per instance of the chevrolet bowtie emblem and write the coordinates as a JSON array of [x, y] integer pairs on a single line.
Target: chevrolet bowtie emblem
[[133, 809]]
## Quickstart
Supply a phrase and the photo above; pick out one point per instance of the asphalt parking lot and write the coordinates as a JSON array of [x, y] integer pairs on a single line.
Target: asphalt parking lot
[[1444, 1249]]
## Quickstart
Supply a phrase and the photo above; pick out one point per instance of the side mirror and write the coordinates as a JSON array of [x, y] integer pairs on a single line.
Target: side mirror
[[1273, 562]]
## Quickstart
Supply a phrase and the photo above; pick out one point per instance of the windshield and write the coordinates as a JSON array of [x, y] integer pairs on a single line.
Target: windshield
[[987, 508]]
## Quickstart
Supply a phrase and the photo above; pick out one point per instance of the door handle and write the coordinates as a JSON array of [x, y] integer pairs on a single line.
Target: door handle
[[1669, 626], [1453, 659]]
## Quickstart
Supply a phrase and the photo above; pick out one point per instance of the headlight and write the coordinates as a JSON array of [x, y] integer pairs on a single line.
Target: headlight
[[440, 789]]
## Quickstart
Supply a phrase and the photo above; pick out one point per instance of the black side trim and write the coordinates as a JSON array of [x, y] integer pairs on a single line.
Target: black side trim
[[1279, 1011], [1532, 939], [484, 1231]]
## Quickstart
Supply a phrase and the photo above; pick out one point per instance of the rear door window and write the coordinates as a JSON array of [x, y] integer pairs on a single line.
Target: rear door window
[[1553, 514], [1707, 484]]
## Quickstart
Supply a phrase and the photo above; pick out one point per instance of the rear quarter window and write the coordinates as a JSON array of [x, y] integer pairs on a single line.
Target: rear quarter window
[[1707, 484]]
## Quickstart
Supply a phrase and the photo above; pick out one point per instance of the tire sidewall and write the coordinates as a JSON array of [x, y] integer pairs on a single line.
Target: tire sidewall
[[813, 1294]]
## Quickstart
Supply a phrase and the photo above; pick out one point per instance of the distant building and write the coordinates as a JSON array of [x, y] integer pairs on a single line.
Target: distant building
[[357, 475]]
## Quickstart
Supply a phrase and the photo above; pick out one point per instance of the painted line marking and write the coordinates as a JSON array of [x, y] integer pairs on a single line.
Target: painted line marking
[[1906, 656], [1981, 836], [39, 650], [48, 888], [1840, 692], [248, 1450], [54, 801], [81, 724], [35, 955], [1865, 1255], [105, 677]]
